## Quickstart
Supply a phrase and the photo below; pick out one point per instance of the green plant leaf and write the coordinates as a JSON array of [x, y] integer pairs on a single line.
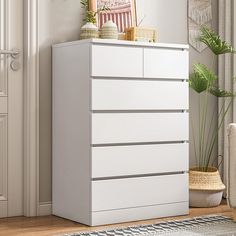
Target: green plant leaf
[[213, 41], [202, 78], [91, 17], [216, 91], [197, 82], [104, 8], [205, 73], [84, 3]]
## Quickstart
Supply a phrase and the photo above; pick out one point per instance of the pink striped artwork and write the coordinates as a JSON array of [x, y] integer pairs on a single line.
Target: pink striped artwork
[[122, 12]]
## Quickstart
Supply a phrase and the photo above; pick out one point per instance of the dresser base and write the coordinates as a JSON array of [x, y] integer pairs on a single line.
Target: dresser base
[[133, 214], [139, 213]]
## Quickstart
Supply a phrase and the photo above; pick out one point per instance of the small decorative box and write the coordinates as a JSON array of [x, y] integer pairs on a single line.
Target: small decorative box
[[141, 34]]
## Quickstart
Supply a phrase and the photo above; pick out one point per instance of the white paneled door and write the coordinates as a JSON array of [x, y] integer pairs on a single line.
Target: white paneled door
[[11, 108]]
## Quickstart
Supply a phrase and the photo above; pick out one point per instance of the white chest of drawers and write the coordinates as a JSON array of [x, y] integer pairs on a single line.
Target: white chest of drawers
[[120, 131]]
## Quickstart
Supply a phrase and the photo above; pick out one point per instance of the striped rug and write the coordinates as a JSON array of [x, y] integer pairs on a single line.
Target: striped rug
[[206, 225]]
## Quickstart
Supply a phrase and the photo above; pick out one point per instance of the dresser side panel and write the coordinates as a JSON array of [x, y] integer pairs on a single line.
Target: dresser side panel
[[71, 133]]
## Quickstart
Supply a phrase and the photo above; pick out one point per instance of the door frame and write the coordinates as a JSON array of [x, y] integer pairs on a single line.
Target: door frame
[[31, 108]]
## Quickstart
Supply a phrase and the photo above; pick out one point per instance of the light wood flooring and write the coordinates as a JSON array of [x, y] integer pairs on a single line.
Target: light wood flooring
[[52, 225]]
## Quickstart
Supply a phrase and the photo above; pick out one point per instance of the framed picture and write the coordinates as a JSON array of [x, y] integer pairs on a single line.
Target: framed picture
[[121, 12]]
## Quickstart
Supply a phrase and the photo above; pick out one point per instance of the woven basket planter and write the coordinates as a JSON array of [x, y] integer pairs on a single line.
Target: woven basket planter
[[88, 31], [206, 188]]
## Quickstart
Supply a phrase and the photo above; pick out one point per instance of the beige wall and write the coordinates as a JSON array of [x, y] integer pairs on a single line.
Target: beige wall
[[167, 16], [60, 21]]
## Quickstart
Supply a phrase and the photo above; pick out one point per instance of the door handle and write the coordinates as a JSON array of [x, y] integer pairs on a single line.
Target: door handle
[[14, 53]]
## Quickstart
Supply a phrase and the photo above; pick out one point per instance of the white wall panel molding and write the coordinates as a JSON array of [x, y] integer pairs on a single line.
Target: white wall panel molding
[[3, 105], [45, 208], [3, 158], [4, 44], [3, 208], [31, 110]]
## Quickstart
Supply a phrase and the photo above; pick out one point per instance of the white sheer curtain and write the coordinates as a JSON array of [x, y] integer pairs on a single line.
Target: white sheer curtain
[[226, 70]]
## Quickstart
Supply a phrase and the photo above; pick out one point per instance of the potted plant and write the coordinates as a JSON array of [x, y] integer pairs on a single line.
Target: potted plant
[[89, 29], [206, 187]]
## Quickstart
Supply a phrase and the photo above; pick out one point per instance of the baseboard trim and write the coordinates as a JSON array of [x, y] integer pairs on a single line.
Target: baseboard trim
[[3, 209], [45, 208]]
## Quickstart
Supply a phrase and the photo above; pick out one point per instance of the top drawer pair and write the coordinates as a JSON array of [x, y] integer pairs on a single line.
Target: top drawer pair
[[139, 62]]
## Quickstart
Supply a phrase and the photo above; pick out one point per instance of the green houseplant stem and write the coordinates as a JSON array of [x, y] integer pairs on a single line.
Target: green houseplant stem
[[204, 81]]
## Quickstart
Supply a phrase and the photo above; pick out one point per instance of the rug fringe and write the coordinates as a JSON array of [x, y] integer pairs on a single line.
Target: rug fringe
[[218, 219]]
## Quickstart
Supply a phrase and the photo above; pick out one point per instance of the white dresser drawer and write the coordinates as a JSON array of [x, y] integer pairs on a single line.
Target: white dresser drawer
[[137, 192], [165, 63], [138, 127], [139, 95], [139, 159], [116, 61]]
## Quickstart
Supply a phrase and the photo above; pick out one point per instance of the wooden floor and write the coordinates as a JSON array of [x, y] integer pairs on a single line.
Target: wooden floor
[[51, 225]]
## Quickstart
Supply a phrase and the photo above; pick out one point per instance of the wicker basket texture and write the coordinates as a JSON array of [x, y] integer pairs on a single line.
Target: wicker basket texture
[[209, 181]]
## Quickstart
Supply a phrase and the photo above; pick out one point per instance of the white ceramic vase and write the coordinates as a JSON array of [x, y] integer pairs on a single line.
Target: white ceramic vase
[[200, 198], [89, 30], [109, 30]]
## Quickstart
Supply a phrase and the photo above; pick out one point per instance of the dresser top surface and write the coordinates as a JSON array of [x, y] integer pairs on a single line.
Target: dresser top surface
[[122, 43]]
